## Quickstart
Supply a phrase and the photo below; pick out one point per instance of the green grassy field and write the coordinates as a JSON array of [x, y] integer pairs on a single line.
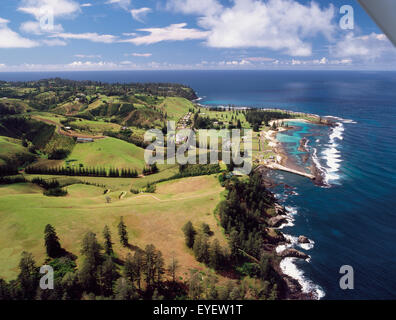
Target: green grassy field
[[108, 152], [150, 218]]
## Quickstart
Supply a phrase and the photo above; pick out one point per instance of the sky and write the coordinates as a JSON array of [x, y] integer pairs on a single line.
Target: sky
[[66, 35]]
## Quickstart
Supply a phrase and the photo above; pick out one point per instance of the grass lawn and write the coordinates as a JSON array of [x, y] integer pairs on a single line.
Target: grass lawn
[[150, 218], [108, 152]]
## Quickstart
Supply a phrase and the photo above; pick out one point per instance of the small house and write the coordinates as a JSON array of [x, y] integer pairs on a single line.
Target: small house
[[85, 140]]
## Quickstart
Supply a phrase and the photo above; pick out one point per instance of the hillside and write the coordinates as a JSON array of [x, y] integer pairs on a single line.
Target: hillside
[[13, 153], [176, 107], [108, 152]]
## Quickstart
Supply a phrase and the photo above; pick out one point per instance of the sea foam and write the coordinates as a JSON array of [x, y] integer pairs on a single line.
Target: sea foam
[[289, 268]]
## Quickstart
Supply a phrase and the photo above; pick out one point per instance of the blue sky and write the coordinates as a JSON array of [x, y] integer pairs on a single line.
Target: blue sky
[[45, 35]]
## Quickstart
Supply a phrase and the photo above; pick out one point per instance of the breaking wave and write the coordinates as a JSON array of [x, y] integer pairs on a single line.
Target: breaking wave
[[290, 268]]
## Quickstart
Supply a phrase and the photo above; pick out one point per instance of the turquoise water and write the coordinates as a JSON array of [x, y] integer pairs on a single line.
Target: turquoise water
[[352, 221]]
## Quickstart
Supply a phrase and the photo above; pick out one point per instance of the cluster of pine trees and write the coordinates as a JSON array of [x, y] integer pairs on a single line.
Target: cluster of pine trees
[[84, 172], [151, 169], [210, 253], [256, 116], [52, 187], [243, 216]]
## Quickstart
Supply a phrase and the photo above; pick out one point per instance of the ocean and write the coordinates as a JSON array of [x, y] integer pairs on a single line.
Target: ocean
[[352, 220]]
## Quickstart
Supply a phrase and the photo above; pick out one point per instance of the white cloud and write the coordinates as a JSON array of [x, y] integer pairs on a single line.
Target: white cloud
[[40, 8], [127, 62], [11, 39], [199, 7], [93, 37], [235, 63], [87, 56], [86, 5], [144, 55], [140, 14], [124, 4], [34, 27], [54, 43], [317, 62], [367, 47], [130, 34], [90, 65], [260, 59], [282, 25], [174, 32], [2, 65]]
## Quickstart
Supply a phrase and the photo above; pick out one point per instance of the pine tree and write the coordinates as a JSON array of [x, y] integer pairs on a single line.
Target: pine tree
[[122, 231], [52, 244], [215, 255], [92, 253], [28, 277], [108, 245], [138, 264], [124, 290], [201, 248], [128, 268], [173, 266], [189, 233], [108, 274], [150, 264]]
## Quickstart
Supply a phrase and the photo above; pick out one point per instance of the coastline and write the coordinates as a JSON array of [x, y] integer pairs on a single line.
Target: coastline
[[297, 286], [284, 163], [285, 247]]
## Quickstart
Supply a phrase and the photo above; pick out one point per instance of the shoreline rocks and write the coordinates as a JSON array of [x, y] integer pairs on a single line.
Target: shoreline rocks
[[277, 221], [303, 239], [293, 253]]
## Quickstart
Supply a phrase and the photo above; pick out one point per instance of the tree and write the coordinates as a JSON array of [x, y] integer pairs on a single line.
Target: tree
[[5, 293], [108, 274], [108, 245], [124, 290], [215, 255], [189, 233], [52, 243], [138, 264], [195, 288], [201, 248], [28, 277], [92, 252], [128, 268], [150, 264], [173, 266], [206, 229], [122, 231], [159, 267], [264, 267]]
